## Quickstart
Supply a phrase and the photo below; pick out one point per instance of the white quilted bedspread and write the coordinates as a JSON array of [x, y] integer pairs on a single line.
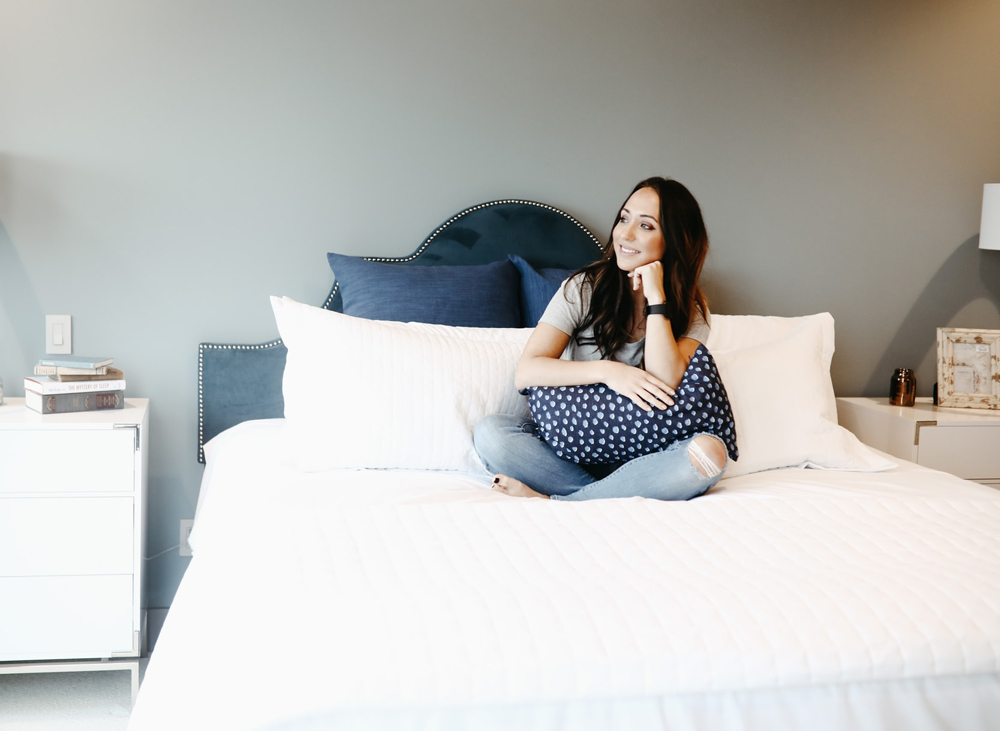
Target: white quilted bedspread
[[397, 589], [530, 600]]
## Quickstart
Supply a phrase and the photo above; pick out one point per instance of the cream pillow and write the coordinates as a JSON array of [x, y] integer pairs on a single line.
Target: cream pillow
[[731, 332], [780, 392], [367, 393]]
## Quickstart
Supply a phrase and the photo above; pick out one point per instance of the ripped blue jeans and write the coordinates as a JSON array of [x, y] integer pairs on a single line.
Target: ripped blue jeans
[[509, 445]]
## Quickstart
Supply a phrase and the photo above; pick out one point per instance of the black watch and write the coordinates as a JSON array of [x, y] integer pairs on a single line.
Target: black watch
[[662, 309]]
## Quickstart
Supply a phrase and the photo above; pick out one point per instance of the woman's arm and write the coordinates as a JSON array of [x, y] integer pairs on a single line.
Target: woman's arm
[[666, 357], [540, 365]]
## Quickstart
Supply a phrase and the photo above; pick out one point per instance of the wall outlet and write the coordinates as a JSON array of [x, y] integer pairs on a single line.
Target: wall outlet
[[186, 526]]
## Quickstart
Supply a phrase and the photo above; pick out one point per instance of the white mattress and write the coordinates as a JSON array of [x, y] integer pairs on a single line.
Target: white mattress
[[392, 599]]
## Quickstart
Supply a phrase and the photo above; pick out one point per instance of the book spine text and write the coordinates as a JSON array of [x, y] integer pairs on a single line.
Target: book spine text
[[72, 386], [64, 403]]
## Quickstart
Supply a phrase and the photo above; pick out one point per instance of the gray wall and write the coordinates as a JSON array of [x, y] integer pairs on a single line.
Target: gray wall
[[165, 166]]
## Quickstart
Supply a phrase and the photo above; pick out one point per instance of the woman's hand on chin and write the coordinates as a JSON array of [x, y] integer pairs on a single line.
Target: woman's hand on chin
[[648, 279], [644, 389]]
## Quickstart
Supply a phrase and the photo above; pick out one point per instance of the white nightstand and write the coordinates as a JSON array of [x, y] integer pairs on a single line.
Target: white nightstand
[[72, 536], [964, 442]]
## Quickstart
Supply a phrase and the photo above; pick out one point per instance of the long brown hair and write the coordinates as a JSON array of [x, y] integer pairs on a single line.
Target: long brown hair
[[611, 308]]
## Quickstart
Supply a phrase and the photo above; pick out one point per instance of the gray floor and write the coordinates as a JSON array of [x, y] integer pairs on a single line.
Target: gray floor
[[88, 701]]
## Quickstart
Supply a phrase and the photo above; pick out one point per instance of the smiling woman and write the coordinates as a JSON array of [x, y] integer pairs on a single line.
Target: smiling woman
[[631, 322]]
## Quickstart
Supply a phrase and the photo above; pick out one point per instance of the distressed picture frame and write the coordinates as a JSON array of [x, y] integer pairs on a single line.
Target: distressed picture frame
[[968, 368]]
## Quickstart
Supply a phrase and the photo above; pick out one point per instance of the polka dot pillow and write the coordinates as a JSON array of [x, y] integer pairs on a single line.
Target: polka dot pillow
[[596, 425]]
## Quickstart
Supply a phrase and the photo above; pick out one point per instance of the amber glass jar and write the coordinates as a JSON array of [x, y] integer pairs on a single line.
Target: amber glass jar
[[903, 388]]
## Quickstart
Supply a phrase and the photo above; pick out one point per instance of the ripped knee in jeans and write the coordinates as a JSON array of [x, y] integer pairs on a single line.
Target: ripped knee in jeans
[[707, 455]]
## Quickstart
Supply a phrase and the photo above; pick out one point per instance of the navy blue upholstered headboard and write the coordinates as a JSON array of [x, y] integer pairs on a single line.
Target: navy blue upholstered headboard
[[237, 383]]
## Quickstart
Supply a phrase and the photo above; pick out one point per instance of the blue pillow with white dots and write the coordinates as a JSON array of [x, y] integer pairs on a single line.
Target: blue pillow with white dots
[[597, 425]]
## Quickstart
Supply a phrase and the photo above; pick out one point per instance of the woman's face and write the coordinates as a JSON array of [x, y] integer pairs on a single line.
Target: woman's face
[[637, 237]]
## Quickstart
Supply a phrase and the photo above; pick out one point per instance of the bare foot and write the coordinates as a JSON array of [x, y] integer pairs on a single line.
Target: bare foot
[[510, 486]]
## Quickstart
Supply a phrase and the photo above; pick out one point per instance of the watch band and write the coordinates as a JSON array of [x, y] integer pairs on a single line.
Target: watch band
[[662, 309]]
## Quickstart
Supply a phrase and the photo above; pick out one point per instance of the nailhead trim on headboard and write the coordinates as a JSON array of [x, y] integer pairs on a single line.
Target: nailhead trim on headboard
[[446, 224], [202, 347]]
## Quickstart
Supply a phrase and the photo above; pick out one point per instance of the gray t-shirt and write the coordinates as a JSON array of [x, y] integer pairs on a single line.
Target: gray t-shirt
[[567, 310]]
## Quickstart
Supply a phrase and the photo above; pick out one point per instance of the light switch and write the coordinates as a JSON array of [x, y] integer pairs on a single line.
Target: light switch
[[58, 334]]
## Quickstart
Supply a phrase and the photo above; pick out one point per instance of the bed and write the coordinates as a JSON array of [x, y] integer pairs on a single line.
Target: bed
[[352, 569]]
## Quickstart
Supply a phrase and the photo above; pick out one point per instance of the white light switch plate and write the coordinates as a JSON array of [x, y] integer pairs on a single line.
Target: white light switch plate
[[58, 334], [186, 526]]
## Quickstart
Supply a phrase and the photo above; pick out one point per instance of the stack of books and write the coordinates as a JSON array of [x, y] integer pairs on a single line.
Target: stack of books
[[65, 383]]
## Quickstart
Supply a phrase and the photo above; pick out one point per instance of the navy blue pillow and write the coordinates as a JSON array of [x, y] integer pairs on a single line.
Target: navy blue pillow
[[538, 287], [596, 425], [484, 295]]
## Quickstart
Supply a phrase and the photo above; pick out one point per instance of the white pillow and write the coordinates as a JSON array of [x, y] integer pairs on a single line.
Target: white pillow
[[368, 393], [730, 332], [779, 392]]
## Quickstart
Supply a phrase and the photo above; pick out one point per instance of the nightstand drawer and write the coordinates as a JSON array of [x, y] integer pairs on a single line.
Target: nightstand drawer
[[67, 460], [65, 617], [66, 536], [969, 452]]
